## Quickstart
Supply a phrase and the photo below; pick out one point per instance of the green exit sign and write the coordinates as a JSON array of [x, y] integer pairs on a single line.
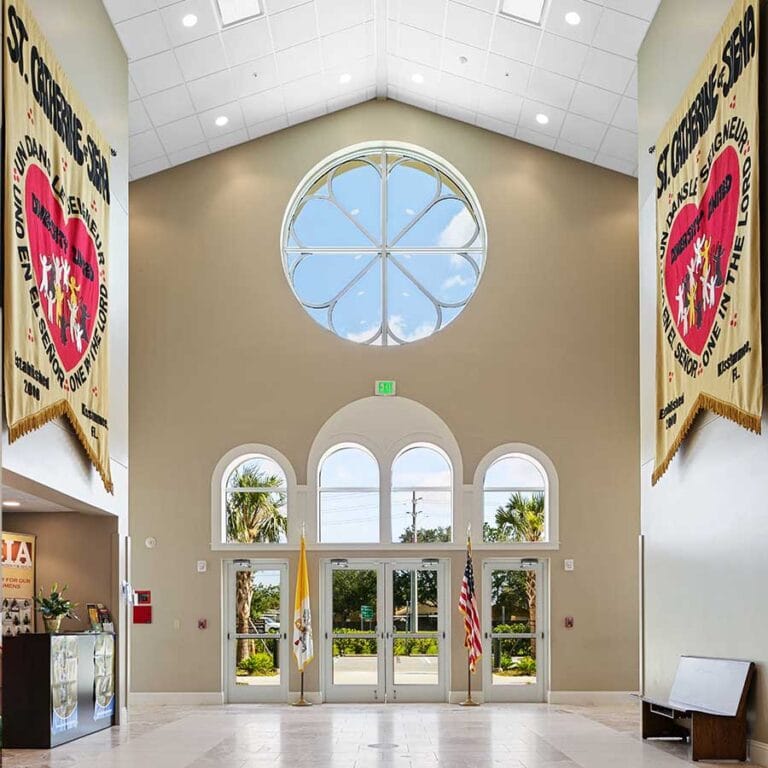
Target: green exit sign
[[385, 388]]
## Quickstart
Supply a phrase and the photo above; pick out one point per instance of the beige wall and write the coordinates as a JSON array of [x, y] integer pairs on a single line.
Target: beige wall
[[704, 524], [72, 549], [546, 353]]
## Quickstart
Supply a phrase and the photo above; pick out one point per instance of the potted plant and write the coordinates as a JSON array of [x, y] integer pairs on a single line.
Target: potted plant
[[55, 607]]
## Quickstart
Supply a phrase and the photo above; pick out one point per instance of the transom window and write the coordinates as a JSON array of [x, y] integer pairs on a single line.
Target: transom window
[[515, 500], [422, 488], [384, 245], [349, 496], [255, 502]]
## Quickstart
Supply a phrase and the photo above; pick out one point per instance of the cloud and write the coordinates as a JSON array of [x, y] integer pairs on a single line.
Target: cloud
[[454, 282], [398, 326], [364, 335], [459, 231]]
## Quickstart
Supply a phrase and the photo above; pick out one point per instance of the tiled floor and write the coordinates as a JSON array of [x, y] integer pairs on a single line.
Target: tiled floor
[[348, 736]]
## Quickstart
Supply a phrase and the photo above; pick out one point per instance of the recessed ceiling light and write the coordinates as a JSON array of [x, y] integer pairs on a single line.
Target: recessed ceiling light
[[189, 20], [542, 119], [222, 120], [417, 77], [345, 78], [235, 11], [11, 503], [527, 10], [573, 18]]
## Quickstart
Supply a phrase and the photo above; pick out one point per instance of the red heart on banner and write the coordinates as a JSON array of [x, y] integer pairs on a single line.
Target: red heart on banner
[[699, 252], [66, 269]]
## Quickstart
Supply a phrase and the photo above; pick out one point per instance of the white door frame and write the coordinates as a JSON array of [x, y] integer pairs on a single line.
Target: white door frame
[[514, 693], [254, 694], [384, 690]]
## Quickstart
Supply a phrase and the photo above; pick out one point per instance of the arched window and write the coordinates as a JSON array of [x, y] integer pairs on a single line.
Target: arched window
[[384, 244], [255, 499], [515, 500], [422, 488], [348, 496]]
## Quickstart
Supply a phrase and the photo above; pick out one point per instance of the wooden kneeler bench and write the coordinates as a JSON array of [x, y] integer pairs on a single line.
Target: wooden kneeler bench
[[708, 705]]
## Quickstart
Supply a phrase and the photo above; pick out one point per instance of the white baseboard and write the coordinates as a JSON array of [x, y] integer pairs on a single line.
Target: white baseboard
[[758, 752], [456, 697], [179, 698], [592, 698]]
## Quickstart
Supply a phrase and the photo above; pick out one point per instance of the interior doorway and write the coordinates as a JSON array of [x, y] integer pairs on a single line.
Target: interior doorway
[[386, 630], [257, 658], [515, 635]]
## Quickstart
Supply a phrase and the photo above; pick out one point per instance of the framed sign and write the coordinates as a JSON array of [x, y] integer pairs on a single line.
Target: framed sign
[[18, 572]]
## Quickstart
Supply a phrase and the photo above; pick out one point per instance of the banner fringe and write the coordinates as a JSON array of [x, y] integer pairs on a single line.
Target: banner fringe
[[62, 408], [726, 410]]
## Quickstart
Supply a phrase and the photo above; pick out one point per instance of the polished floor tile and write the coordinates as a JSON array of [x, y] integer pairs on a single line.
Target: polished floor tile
[[366, 736]]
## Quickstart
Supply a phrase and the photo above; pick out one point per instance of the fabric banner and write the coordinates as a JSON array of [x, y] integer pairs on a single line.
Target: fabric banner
[[708, 350], [55, 236]]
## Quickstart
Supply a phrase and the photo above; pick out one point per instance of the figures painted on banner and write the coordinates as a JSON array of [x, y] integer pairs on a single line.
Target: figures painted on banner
[[65, 307]]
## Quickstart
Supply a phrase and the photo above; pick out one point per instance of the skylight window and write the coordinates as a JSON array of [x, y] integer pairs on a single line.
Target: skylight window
[[525, 10], [237, 11]]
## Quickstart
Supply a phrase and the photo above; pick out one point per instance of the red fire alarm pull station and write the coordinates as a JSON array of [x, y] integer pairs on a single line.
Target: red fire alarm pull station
[[142, 611]]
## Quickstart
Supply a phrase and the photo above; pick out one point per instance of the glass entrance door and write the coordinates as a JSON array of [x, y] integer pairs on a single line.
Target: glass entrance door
[[387, 638], [258, 656], [514, 656]]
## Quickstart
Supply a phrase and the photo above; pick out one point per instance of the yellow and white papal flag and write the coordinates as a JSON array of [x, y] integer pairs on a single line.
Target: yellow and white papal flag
[[302, 614]]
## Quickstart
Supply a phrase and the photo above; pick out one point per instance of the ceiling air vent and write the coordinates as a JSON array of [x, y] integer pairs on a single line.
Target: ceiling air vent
[[531, 11], [237, 11]]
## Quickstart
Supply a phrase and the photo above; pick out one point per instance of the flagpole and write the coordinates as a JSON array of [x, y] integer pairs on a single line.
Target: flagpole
[[302, 702], [469, 701]]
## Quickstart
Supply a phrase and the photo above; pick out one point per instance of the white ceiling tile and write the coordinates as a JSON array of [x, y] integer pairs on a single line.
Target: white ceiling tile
[[574, 150], [421, 100], [263, 106], [392, 38], [189, 153], [145, 146], [140, 170], [515, 40], [143, 36], [607, 71], [590, 101], [157, 73], [347, 100], [528, 117], [468, 25], [401, 74], [626, 115], [619, 143], [298, 25], [138, 120], [362, 72], [551, 88], [348, 45], [169, 106], [231, 111], [498, 104], [247, 41], [491, 6], [473, 66], [457, 90], [276, 6], [255, 76], [455, 112], [507, 74], [120, 10], [565, 57], [203, 57], [645, 9], [228, 140], [207, 21], [301, 61], [307, 113], [333, 15], [303, 93], [534, 137], [626, 167], [132, 92], [583, 131], [418, 45], [620, 34], [212, 90], [631, 89], [497, 126], [582, 32], [181, 134], [425, 14], [267, 127]]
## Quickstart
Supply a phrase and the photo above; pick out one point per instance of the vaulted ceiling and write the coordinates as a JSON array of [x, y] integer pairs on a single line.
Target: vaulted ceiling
[[197, 88]]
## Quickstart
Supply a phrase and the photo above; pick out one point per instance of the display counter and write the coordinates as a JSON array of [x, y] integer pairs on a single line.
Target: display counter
[[57, 688]]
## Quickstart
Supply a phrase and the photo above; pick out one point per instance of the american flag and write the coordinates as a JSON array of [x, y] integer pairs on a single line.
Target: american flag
[[468, 606]]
